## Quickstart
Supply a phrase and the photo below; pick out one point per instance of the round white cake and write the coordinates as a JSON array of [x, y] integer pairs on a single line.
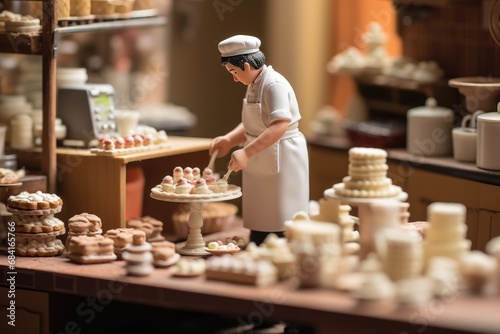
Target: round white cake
[[367, 175], [447, 230]]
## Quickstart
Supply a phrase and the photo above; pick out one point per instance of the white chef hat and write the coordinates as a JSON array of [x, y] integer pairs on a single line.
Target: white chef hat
[[239, 45]]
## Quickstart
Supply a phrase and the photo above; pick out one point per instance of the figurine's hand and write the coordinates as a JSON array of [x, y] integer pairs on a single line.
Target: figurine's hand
[[221, 143], [239, 160]]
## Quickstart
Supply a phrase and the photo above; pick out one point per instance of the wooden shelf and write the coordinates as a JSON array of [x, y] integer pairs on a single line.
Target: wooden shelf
[[31, 43], [44, 43], [431, 3]]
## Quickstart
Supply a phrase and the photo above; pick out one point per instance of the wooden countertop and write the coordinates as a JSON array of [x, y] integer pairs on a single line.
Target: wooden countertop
[[175, 145], [446, 165], [322, 308]]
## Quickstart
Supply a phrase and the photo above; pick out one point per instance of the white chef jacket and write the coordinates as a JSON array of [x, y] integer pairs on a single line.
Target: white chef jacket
[[276, 180]]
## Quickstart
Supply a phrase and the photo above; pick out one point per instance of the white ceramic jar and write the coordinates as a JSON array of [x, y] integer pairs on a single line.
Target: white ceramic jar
[[21, 132], [488, 140], [12, 105], [71, 76], [429, 130], [465, 139]]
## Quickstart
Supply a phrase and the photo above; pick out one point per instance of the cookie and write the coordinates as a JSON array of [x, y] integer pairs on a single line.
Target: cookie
[[42, 247], [122, 237], [34, 201], [37, 224], [87, 245]]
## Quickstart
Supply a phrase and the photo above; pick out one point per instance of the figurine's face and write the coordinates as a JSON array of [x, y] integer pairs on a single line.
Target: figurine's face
[[246, 77]]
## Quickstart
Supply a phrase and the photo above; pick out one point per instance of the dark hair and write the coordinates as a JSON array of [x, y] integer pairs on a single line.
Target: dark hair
[[256, 60]]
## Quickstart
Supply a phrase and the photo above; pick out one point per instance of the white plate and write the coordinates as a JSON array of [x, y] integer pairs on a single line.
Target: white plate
[[222, 251]]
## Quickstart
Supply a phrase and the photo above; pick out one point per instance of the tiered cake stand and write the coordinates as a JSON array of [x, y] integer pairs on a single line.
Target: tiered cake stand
[[195, 245], [366, 227]]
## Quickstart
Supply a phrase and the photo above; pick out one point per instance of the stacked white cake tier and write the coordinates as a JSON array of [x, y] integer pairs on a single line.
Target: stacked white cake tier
[[367, 175], [402, 256], [447, 230]]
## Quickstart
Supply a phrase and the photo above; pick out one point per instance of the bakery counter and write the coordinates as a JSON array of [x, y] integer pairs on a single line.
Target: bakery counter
[[325, 310], [445, 165], [117, 186]]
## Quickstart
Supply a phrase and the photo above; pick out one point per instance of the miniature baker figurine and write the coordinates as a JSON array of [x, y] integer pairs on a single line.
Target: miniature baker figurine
[[274, 157]]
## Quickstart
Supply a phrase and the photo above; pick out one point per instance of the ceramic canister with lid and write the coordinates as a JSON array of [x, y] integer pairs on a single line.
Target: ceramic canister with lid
[[488, 140], [429, 130]]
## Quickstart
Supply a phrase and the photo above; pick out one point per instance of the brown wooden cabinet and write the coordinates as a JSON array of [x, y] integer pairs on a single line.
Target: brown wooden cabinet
[[31, 314]]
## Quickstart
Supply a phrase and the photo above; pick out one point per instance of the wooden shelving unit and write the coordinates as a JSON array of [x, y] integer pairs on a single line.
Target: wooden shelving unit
[[45, 45]]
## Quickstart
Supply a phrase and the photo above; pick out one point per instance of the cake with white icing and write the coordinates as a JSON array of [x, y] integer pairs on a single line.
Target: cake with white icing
[[367, 175], [446, 231]]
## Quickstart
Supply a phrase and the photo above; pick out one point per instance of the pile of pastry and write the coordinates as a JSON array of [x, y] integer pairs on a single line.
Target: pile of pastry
[[190, 180], [36, 226]]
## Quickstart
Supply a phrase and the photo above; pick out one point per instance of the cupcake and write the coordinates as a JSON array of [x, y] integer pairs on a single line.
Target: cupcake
[[129, 141], [109, 144], [201, 187], [207, 173], [188, 173], [167, 184], [196, 173], [212, 183], [221, 186], [138, 141], [182, 186], [119, 143], [177, 173]]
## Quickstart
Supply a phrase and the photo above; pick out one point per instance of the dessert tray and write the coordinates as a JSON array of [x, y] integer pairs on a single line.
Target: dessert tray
[[232, 192], [331, 193], [222, 251], [16, 184], [119, 151]]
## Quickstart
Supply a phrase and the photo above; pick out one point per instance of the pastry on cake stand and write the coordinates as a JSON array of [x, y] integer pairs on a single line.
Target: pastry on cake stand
[[366, 226], [195, 245]]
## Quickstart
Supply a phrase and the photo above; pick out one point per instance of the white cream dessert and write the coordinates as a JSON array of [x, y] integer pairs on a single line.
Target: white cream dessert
[[446, 231], [367, 175], [201, 187], [167, 184], [183, 186]]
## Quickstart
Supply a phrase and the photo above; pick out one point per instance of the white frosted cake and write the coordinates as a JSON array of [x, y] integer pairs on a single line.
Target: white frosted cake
[[367, 175], [447, 231]]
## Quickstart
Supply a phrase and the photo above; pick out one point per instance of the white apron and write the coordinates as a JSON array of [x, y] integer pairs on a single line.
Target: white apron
[[275, 183]]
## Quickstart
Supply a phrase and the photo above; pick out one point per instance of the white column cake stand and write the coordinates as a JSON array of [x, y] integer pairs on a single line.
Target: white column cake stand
[[366, 226], [195, 245]]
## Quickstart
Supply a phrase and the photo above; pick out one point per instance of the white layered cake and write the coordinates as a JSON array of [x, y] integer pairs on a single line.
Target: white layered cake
[[367, 175], [446, 231]]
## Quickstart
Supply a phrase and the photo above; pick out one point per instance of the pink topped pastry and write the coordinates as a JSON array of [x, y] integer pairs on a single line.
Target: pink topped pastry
[[201, 187], [178, 173], [222, 186], [183, 186], [196, 173], [167, 184], [101, 142], [207, 173], [109, 144], [119, 143], [138, 141], [188, 173], [129, 141], [148, 139], [212, 183]]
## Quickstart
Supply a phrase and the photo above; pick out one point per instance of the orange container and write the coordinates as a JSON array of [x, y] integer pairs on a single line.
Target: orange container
[[134, 192]]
